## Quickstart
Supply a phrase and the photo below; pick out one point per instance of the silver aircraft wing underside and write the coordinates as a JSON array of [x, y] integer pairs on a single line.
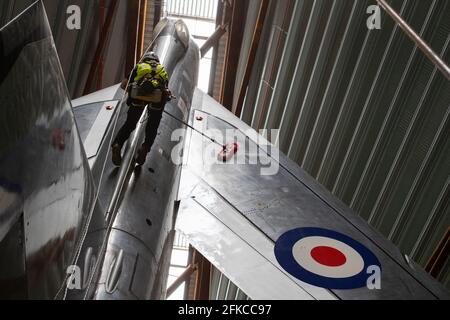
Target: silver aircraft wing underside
[[236, 212]]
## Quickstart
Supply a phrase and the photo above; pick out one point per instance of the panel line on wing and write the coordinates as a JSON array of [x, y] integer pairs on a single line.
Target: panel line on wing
[[322, 291]]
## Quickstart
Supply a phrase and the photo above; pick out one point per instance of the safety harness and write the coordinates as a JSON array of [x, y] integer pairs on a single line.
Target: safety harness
[[149, 82]]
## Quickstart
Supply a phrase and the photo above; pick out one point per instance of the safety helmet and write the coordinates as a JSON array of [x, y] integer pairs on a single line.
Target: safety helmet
[[150, 56]]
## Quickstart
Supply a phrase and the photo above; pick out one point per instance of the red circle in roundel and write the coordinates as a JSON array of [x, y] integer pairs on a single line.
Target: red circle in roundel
[[328, 256]]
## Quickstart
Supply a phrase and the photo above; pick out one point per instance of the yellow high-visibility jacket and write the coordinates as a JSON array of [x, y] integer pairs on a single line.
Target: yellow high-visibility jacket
[[151, 71]]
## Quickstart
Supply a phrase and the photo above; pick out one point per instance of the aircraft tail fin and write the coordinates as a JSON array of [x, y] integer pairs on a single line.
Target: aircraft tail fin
[[42, 157]]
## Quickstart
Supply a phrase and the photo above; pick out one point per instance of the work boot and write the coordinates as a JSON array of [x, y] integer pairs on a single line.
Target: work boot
[[142, 154], [116, 154]]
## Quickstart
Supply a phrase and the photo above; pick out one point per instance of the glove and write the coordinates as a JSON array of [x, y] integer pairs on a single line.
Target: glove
[[168, 94]]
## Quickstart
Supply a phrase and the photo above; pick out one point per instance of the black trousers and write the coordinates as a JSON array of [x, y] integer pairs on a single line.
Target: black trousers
[[133, 116]]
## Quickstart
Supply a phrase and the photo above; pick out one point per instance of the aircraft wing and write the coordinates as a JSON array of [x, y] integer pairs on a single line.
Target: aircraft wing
[[273, 230]]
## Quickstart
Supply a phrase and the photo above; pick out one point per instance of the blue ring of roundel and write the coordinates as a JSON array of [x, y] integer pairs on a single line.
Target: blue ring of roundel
[[284, 255]]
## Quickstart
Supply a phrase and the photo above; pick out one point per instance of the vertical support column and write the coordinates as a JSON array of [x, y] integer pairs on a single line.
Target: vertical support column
[[101, 30], [264, 48], [215, 55], [237, 108], [133, 27], [202, 282], [101, 46], [137, 15], [141, 31], [235, 37]]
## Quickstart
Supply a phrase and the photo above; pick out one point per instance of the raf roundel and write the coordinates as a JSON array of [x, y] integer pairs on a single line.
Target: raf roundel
[[325, 258]]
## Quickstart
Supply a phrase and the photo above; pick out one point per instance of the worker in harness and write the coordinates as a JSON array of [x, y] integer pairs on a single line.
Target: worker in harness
[[149, 86]]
